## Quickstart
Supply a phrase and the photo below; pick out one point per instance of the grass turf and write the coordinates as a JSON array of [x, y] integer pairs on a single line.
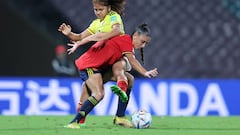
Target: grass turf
[[102, 125]]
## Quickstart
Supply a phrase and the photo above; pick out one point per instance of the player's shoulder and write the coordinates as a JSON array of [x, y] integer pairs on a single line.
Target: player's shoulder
[[113, 13], [123, 38], [113, 16], [126, 36], [95, 21]]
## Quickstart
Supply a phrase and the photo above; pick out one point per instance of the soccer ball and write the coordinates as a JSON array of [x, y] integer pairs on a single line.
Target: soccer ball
[[141, 119]]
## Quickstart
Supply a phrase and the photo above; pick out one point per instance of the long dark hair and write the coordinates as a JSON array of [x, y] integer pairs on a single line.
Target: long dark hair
[[116, 5], [143, 29]]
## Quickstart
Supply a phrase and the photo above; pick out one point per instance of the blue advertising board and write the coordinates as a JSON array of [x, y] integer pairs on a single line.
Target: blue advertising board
[[161, 97]]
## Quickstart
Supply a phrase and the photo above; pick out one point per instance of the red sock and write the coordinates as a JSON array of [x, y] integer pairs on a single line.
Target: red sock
[[123, 85], [82, 120]]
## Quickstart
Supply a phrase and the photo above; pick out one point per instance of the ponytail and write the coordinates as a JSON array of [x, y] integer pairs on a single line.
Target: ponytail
[[142, 29]]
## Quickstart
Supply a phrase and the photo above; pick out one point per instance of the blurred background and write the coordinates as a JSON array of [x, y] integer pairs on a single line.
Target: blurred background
[[190, 38]]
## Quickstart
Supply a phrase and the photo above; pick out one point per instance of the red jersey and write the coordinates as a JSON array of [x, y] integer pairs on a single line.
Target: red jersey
[[112, 51]]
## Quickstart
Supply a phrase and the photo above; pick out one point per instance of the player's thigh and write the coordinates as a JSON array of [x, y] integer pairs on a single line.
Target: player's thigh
[[119, 67], [130, 79], [95, 84]]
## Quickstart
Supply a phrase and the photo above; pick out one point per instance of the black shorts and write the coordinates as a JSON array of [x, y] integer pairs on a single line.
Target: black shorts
[[84, 74]]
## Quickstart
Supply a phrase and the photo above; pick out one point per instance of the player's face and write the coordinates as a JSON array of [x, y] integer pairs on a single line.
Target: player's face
[[100, 10], [140, 41]]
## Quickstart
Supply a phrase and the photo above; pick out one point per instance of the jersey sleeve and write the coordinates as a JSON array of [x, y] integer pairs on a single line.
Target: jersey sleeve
[[115, 18]]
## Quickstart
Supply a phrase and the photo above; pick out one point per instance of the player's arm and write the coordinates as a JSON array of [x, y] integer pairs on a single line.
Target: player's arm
[[77, 37], [138, 67], [116, 30], [75, 45], [66, 30], [99, 36]]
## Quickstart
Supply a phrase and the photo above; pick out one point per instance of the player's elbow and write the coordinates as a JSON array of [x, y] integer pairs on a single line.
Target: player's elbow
[[117, 31]]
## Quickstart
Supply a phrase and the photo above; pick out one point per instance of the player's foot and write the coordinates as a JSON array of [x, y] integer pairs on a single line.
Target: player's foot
[[82, 122], [122, 121], [73, 125], [118, 91]]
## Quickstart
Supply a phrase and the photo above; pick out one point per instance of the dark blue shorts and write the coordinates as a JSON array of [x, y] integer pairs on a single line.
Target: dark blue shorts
[[84, 74]]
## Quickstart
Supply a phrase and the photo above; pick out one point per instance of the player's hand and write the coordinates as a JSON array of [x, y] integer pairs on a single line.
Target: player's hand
[[73, 48], [65, 29], [151, 73]]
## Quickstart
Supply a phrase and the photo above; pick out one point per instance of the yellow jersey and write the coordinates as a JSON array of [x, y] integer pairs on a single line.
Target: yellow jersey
[[106, 24]]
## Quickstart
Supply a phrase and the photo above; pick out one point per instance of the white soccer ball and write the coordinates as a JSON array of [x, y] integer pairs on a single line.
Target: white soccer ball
[[141, 119]]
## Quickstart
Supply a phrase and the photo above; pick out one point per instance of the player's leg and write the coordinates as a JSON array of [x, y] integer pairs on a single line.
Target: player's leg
[[85, 94], [120, 89], [119, 73], [95, 84], [120, 118]]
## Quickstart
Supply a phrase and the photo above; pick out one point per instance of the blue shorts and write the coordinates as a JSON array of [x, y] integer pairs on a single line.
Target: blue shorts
[[84, 74]]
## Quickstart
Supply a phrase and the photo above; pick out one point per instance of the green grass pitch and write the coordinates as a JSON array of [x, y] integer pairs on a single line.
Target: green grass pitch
[[102, 125]]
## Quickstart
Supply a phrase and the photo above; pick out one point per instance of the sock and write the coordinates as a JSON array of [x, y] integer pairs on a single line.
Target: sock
[[122, 84], [87, 106], [123, 105], [82, 121]]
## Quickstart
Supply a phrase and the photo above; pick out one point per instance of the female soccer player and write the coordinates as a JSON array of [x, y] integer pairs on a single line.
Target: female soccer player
[[107, 25], [92, 63]]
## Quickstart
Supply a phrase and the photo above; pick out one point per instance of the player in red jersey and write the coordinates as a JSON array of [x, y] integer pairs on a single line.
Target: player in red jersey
[[95, 61]]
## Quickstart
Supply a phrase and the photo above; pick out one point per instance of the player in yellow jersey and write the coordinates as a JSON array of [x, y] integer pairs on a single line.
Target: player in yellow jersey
[[107, 25]]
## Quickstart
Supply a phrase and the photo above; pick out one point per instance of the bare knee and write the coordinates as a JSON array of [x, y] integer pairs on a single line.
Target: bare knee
[[98, 95]]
